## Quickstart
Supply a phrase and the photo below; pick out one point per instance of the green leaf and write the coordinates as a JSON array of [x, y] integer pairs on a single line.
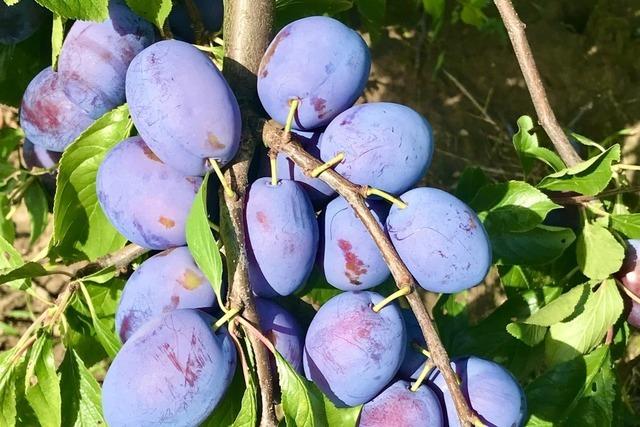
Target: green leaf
[[104, 332], [470, 182], [155, 11], [596, 408], [589, 177], [583, 332], [81, 230], [57, 36], [599, 253], [7, 390], [7, 226], [81, 404], [289, 10], [531, 335], [42, 385], [528, 148], [88, 10], [553, 396], [9, 140], [10, 259], [200, 240], [629, 225], [435, 8], [512, 206], [540, 245], [25, 271], [373, 13], [37, 205]]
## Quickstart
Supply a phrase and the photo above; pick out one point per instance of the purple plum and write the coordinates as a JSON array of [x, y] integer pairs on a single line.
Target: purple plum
[[38, 157], [386, 146], [352, 352], [319, 61], [629, 273], [413, 358], [211, 13], [49, 119], [282, 234], [351, 260], [95, 56], [440, 239], [19, 21], [283, 331], [145, 199], [173, 371], [164, 282], [401, 407], [182, 106]]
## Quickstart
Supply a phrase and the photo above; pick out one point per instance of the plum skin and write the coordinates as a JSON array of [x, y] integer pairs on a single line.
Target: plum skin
[[352, 352], [283, 331], [440, 239], [34, 156], [351, 259], [19, 21], [167, 281], [387, 146], [174, 370], [48, 117], [282, 237], [146, 200], [319, 61], [171, 83], [397, 405], [211, 13], [413, 359], [492, 392]]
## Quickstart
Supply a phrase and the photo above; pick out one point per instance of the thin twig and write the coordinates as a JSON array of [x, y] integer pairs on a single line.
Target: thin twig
[[247, 30], [546, 117], [280, 141]]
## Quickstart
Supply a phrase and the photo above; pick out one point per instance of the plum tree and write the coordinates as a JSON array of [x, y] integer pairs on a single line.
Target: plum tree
[[95, 57], [19, 21], [493, 393], [145, 199], [283, 330], [48, 117], [210, 11], [35, 156], [397, 405], [413, 358], [326, 79], [440, 239], [167, 281], [282, 237], [173, 371], [350, 351], [350, 259], [319, 192], [172, 83], [385, 145]]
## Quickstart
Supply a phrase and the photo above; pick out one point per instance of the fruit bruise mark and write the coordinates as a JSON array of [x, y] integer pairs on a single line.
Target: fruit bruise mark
[[263, 220], [215, 142], [470, 225], [354, 267], [319, 105], [148, 153], [195, 360], [272, 50], [393, 409], [126, 326], [166, 222], [175, 300], [166, 252], [190, 279]]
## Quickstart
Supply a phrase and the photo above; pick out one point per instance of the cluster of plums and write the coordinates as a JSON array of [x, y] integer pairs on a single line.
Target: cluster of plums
[[175, 365]]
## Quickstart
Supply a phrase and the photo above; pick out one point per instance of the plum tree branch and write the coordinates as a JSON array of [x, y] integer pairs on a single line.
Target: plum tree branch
[[247, 31], [546, 117], [280, 141]]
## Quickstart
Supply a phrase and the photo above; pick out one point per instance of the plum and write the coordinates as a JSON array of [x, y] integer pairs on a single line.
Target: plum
[[319, 61], [173, 371], [493, 393], [19, 21], [38, 157], [319, 191], [182, 106], [283, 331], [351, 260], [282, 237], [48, 117], [145, 199], [95, 56], [413, 358], [164, 282], [352, 352], [633, 318], [630, 271], [211, 13], [386, 146], [440, 239], [399, 406]]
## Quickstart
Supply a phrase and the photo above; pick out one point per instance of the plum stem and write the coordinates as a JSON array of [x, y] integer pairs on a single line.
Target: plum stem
[[227, 188], [273, 162], [630, 294], [386, 196], [338, 158], [421, 349], [293, 106], [428, 367], [257, 334], [225, 318], [215, 227], [394, 296]]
